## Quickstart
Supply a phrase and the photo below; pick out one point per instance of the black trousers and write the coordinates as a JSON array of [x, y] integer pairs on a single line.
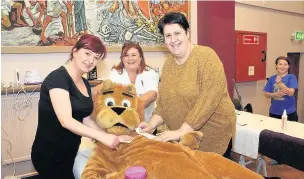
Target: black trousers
[[290, 117], [50, 166], [227, 154]]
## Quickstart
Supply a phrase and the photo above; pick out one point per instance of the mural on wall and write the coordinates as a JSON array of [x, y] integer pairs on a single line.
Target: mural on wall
[[37, 23]]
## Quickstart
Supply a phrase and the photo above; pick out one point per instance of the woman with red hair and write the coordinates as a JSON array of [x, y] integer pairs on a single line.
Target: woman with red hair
[[132, 69], [63, 113]]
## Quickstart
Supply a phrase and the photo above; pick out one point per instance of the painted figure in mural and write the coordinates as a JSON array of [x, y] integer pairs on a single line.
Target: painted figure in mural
[[80, 18], [33, 12], [54, 10], [127, 5], [6, 8], [145, 14], [70, 21], [150, 8], [159, 8]]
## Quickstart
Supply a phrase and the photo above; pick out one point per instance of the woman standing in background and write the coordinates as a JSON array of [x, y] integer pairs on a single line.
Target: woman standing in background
[[281, 88]]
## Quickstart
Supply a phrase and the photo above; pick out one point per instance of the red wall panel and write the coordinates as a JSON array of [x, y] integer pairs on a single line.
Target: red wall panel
[[216, 29]]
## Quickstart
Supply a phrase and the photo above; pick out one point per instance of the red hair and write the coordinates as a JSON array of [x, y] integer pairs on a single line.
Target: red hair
[[125, 48], [92, 43]]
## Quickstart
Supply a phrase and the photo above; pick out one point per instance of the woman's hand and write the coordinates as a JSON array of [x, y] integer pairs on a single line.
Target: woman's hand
[[278, 80], [279, 94], [169, 136], [145, 127], [285, 91], [109, 140]]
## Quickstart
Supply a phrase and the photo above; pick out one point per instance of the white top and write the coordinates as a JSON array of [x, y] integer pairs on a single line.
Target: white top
[[27, 3], [6, 6], [146, 81]]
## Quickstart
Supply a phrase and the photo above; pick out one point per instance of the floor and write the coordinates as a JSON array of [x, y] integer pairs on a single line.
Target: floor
[[281, 171]]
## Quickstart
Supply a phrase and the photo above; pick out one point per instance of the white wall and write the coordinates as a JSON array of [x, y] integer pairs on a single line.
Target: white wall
[[288, 6], [46, 62], [279, 25], [301, 91]]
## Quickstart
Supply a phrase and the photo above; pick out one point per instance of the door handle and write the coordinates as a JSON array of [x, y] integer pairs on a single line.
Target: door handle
[[264, 56]]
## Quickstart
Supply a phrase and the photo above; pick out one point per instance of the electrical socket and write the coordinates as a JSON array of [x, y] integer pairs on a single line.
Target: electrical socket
[[6, 85]]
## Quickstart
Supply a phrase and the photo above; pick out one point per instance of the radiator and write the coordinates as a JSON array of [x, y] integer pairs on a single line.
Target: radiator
[[19, 119]]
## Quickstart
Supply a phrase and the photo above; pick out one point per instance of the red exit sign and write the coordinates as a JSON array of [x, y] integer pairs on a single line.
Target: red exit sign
[[251, 39]]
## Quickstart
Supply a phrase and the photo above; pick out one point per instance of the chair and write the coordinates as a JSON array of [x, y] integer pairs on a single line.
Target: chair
[[248, 108], [237, 104]]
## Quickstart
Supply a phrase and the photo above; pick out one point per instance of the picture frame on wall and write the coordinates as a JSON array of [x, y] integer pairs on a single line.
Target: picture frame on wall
[[50, 26]]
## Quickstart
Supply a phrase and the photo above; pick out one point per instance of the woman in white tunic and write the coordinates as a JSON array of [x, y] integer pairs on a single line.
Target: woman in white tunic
[[132, 69]]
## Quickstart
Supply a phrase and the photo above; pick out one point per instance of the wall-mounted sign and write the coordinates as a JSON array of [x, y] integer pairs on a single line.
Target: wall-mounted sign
[[251, 39], [299, 35]]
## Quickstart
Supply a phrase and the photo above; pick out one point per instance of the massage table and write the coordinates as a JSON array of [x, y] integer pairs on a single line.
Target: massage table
[[257, 134], [84, 152]]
